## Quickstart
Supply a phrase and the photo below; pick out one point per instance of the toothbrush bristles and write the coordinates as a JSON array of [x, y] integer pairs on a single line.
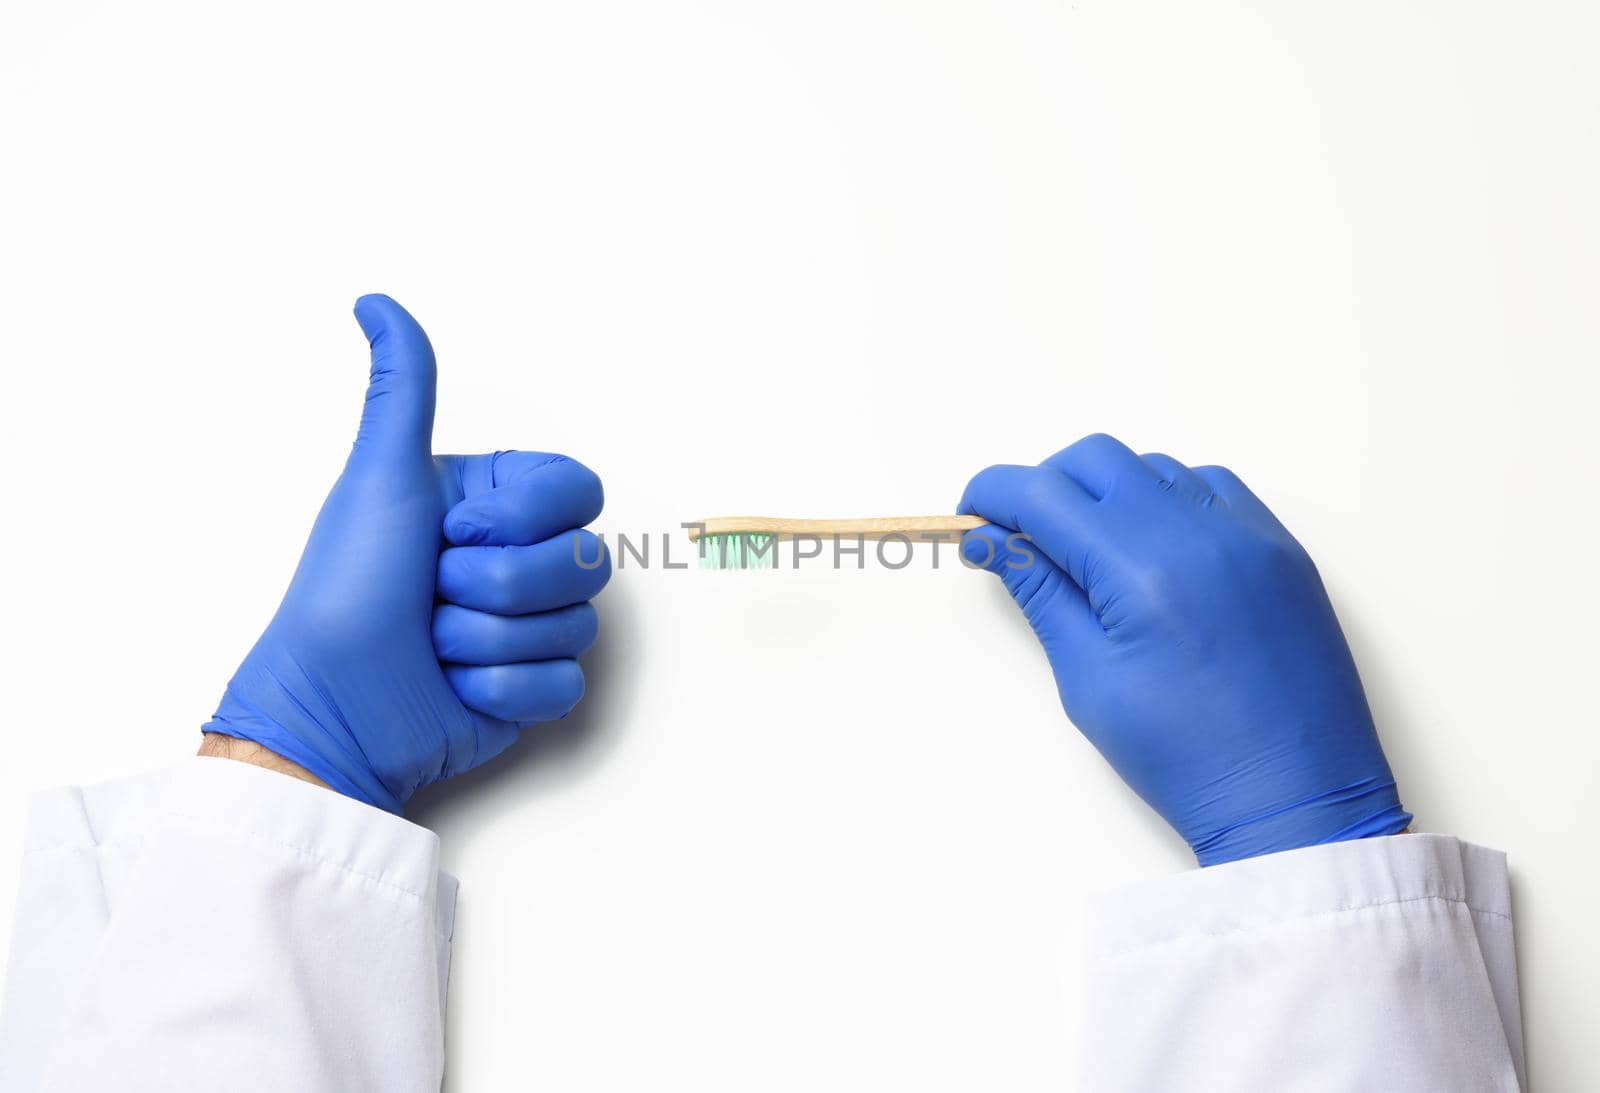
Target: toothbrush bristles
[[738, 552]]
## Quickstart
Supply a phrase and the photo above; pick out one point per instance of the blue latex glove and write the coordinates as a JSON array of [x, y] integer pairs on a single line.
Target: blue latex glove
[[1192, 643], [440, 604]]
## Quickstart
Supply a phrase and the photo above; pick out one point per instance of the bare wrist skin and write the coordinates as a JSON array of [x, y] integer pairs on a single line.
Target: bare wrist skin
[[218, 746]]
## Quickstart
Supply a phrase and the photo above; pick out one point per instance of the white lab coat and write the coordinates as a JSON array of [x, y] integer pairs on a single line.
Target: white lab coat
[[219, 926]]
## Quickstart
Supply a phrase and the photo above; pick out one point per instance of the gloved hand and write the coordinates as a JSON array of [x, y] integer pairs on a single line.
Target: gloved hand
[[439, 605], [1192, 643]]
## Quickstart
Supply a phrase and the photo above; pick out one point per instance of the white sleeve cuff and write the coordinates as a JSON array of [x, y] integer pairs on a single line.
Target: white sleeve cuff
[[217, 925], [1373, 963], [1261, 893], [253, 804]]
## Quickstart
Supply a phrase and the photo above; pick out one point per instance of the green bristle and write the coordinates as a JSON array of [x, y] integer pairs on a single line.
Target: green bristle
[[738, 552]]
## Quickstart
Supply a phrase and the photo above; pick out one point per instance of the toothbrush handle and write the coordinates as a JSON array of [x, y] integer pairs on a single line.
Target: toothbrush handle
[[873, 527]]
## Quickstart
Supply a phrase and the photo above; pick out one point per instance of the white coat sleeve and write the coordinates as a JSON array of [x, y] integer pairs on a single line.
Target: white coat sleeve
[[220, 926], [1371, 964]]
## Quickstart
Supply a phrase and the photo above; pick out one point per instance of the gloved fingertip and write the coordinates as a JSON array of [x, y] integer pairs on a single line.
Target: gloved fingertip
[[371, 314], [463, 530], [978, 550]]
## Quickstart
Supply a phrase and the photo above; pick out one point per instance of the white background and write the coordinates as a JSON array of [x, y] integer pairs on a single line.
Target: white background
[[818, 830]]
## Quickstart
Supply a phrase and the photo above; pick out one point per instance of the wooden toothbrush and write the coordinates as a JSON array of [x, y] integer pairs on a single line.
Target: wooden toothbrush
[[750, 542], [871, 527]]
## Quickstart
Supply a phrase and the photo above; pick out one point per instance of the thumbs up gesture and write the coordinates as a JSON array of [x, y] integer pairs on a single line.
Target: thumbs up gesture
[[439, 606]]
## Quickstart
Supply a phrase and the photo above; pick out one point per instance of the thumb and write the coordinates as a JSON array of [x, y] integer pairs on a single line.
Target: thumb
[[398, 417]]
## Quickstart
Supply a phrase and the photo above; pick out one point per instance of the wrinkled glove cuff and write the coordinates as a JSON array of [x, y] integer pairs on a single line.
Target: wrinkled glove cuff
[[1369, 808]]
